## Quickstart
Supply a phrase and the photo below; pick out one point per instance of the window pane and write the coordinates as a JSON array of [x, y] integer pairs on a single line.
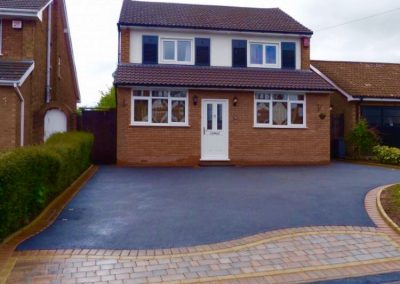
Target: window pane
[[279, 113], [137, 93], [169, 50], [178, 94], [280, 97], [209, 116], [141, 111], [160, 111], [263, 96], [270, 54], [263, 113], [297, 113], [178, 111], [256, 54], [184, 50], [219, 116], [202, 46], [239, 53], [150, 49], [159, 94]]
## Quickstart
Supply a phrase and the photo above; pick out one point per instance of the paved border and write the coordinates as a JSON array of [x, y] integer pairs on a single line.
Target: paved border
[[305, 274], [382, 211], [40, 223]]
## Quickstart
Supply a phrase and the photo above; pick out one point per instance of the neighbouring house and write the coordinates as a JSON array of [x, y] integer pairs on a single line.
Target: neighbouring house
[[38, 84], [208, 84], [363, 90]]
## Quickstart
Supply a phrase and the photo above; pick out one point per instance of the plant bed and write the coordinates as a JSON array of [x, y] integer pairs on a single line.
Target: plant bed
[[390, 200]]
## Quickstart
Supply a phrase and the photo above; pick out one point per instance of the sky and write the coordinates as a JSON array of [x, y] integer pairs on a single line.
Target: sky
[[94, 33]]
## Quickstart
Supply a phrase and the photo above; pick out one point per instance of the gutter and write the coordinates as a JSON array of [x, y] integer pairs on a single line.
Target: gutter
[[22, 114]]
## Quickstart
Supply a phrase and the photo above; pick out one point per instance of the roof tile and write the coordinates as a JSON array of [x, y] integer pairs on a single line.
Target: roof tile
[[13, 71], [218, 77], [209, 17], [23, 4], [363, 79]]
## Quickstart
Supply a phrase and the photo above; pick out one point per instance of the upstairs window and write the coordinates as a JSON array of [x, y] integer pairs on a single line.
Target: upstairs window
[[239, 53], [279, 110], [160, 108], [263, 55], [288, 55], [150, 49], [178, 51], [202, 51]]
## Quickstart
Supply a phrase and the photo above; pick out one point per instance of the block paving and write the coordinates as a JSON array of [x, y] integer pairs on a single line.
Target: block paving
[[293, 255]]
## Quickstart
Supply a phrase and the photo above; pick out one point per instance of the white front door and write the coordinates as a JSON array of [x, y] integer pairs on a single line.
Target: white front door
[[54, 121], [214, 130]]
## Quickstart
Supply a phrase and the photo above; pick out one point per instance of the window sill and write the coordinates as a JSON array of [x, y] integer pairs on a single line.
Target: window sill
[[159, 125], [279, 127]]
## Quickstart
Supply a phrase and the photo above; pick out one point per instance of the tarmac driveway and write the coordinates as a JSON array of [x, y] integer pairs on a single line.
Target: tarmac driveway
[[146, 208]]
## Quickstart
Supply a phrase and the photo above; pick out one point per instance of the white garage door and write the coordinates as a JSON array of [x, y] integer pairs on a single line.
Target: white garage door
[[54, 121]]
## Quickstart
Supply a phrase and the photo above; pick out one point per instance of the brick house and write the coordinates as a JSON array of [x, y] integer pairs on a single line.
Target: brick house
[[38, 84], [364, 89], [213, 84]]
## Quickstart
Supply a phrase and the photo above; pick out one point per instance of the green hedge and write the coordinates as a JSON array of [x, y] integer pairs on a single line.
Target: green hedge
[[31, 177], [387, 155]]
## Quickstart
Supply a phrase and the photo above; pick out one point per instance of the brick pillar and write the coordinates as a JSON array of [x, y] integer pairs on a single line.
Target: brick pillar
[[125, 44], [305, 56]]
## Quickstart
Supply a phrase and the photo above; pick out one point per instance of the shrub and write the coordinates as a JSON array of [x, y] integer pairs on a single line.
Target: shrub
[[362, 139], [387, 155], [31, 177]]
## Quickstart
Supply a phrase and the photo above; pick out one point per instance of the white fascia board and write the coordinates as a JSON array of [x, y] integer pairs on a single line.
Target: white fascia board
[[26, 75], [24, 13], [364, 99], [8, 83], [343, 92]]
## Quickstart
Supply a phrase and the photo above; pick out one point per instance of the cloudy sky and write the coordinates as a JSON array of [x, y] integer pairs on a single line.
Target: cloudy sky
[[94, 33]]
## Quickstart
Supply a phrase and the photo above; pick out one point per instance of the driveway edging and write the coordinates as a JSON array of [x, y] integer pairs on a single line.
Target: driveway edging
[[40, 223], [382, 211]]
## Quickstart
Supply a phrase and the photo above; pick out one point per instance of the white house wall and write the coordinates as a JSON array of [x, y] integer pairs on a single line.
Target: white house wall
[[221, 44]]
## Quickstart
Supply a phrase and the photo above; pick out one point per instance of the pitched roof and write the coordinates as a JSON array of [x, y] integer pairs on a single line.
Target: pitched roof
[[363, 79], [14, 72], [36, 5], [218, 77], [173, 15]]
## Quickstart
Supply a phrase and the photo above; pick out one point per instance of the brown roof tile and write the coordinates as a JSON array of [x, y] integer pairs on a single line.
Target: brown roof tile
[[209, 17], [13, 71], [218, 77], [23, 4], [363, 79]]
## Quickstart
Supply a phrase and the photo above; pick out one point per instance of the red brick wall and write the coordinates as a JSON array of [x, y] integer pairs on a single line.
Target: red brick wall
[[30, 43], [125, 45], [171, 146], [305, 56], [9, 114]]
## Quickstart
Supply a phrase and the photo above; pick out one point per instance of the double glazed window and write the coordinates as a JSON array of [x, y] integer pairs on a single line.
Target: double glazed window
[[279, 110], [264, 54], [159, 108], [177, 51]]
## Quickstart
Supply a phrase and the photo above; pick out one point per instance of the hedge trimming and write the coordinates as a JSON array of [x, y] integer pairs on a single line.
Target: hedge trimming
[[387, 155], [31, 177]]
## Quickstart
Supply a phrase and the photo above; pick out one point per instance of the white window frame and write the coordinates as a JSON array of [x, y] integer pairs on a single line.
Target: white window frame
[[289, 115], [175, 60], [149, 110], [264, 64]]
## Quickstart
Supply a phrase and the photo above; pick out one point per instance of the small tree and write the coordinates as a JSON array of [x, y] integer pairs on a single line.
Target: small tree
[[108, 99], [362, 139]]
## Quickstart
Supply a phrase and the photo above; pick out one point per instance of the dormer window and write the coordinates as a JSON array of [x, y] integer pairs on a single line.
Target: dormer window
[[177, 51], [264, 55]]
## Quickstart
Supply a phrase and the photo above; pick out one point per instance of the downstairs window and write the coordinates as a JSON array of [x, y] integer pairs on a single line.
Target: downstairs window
[[159, 108], [279, 110]]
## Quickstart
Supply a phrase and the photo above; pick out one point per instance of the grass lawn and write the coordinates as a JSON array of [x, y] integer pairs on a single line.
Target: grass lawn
[[390, 200]]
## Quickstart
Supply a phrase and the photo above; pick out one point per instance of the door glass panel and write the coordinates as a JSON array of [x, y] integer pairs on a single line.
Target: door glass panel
[[209, 116], [219, 116]]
